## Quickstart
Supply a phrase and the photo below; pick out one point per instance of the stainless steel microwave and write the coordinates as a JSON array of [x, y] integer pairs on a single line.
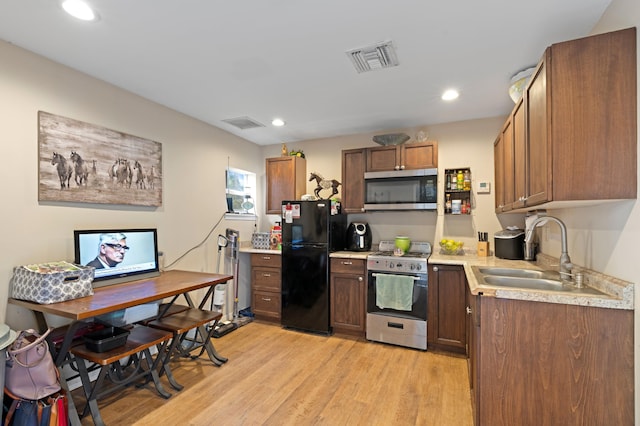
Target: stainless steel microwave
[[401, 190]]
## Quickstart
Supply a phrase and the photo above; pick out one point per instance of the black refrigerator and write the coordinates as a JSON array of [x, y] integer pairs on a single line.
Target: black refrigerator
[[307, 239]]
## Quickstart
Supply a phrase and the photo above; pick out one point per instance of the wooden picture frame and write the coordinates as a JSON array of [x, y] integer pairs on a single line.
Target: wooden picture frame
[[85, 163]]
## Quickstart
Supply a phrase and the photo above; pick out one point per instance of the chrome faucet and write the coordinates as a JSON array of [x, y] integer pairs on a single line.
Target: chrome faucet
[[565, 260]]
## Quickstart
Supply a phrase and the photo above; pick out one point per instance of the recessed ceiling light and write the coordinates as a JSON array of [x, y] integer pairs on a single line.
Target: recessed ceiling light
[[79, 9], [278, 122], [450, 95]]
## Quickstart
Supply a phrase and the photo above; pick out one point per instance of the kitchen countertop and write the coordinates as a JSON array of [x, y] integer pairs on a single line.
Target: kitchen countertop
[[619, 293], [250, 249], [351, 254], [343, 254]]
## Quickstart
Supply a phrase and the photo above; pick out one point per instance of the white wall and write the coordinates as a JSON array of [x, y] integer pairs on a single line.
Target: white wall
[[195, 156]]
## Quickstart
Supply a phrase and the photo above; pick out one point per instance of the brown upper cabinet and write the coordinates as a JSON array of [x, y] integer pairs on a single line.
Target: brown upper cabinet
[[286, 180], [416, 155], [509, 161], [579, 123], [353, 167], [355, 162]]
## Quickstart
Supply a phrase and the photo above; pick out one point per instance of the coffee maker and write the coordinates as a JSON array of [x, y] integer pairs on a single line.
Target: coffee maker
[[358, 236]]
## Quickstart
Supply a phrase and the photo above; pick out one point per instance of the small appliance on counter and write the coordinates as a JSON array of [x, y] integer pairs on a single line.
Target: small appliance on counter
[[509, 244], [358, 237]]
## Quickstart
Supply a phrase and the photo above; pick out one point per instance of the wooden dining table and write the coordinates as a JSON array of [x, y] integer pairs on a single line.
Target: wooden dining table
[[108, 299]]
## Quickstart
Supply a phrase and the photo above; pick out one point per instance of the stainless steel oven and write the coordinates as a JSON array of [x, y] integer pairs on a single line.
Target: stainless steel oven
[[403, 321]]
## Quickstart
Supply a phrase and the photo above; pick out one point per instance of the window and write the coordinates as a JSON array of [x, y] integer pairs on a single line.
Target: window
[[241, 192]]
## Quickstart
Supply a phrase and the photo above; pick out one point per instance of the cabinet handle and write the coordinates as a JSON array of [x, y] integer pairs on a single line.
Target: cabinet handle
[[266, 275], [266, 257], [396, 168], [402, 167], [345, 262], [435, 269], [266, 299], [360, 279], [469, 311]]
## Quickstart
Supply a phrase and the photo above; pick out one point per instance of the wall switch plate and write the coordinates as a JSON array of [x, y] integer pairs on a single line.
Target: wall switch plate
[[484, 187]]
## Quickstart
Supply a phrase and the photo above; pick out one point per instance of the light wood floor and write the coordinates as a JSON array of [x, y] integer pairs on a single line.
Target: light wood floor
[[282, 377]]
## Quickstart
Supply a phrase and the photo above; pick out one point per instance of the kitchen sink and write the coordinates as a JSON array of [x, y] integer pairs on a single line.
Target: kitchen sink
[[520, 273], [528, 279]]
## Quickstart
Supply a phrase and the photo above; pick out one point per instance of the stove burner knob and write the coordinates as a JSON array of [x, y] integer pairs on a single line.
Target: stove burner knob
[[412, 267], [418, 267], [399, 265], [391, 265]]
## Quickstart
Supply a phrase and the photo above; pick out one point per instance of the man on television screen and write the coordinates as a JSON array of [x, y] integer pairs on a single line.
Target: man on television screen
[[111, 251]]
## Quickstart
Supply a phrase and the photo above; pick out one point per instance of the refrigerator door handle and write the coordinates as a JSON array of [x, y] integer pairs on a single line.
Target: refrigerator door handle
[[314, 246]]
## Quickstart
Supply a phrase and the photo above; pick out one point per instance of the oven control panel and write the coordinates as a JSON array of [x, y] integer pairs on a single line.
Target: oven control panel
[[400, 265]]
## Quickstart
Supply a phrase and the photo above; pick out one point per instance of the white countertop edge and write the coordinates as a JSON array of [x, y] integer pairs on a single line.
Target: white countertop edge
[[261, 251], [351, 254]]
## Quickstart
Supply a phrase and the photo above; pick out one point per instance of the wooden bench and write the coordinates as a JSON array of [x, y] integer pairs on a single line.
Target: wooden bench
[[137, 346], [182, 345]]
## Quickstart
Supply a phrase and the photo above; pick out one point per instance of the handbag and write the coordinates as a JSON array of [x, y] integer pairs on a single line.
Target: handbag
[[30, 372], [49, 411]]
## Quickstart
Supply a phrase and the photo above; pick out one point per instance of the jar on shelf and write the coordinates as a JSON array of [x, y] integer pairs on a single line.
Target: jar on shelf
[[460, 180], [467, 180]]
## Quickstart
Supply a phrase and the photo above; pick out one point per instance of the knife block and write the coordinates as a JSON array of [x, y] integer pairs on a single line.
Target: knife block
[[483, 248]]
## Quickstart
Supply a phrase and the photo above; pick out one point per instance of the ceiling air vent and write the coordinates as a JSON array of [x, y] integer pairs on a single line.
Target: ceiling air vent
[[243, 123], [382, 55]]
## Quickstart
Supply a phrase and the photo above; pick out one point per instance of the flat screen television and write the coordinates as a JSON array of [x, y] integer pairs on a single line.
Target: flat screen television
[[119, 255]]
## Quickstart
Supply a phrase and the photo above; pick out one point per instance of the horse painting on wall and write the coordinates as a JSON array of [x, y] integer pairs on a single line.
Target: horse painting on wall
[[85, 163]]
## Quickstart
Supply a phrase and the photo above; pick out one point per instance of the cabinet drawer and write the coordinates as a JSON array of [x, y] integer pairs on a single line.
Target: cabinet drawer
[[266, 304], [268, 279], [341, 265], [262, 259]]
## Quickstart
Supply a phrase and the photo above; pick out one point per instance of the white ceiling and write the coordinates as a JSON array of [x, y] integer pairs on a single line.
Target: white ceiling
[[216, 60]]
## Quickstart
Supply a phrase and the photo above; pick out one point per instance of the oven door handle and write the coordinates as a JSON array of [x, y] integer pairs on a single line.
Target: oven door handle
[[375, 274], [395, 325]]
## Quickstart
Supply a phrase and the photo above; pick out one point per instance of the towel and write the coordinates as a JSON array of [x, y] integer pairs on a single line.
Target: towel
[[394, 292]]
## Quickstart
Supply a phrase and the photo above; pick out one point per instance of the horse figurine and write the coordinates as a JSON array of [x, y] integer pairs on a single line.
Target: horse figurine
[[64, 169], [324, 184]]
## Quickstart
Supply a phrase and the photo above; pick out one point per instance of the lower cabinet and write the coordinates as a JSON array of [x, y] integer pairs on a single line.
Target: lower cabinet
[[266, 286], [446, 309], [550, 364], [348, 296]]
